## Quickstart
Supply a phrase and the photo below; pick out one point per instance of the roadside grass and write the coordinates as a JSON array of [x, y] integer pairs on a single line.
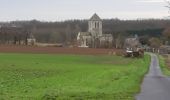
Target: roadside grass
[[164, 65], [70, 77]]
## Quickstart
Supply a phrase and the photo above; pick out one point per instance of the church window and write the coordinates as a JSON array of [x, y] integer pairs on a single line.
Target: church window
[[95, 25], [98, 24]]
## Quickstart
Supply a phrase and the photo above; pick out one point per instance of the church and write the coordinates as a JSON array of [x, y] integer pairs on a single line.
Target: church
[[94, 38]]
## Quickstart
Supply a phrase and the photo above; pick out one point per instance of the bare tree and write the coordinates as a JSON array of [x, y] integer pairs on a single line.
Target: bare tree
[[68, 33], [155, 42]]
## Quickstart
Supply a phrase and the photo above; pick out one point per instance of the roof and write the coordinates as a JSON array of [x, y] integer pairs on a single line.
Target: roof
[[84, 34], [165, 46], [131, 40], [95, 17], [107, 35]]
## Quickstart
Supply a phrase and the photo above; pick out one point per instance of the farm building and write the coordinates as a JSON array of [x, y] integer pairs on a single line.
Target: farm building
[[94, 38], [31, 40], [165, 49], [132, 43]]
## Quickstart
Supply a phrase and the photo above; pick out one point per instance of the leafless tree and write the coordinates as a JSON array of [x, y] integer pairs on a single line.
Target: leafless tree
[[68, 33], [155, 42]]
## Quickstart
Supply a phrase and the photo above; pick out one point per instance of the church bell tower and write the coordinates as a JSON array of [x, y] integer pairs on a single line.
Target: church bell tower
[[95, 26]]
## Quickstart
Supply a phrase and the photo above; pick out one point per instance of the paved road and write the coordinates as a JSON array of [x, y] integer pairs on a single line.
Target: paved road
[[155, 85]]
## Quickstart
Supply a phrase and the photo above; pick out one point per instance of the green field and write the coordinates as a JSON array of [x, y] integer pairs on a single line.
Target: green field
[[163, 65], [70, 77]]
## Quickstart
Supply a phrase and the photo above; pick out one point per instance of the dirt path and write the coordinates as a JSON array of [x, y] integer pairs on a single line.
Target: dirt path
[[155, 86]]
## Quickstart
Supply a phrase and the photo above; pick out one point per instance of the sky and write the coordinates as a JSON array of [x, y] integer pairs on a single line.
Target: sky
[[60, 10]]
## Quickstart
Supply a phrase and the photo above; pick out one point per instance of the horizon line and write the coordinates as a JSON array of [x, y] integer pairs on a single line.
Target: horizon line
[[8, 21]]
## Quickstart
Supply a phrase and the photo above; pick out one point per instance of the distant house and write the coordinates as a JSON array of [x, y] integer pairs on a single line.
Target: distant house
[[164, 49], [31, 40], [132, 43], [94, 38]]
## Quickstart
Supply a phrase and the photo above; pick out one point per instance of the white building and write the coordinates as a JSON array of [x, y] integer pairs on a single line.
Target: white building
[[31, 40], [94, 37], [132, 43]]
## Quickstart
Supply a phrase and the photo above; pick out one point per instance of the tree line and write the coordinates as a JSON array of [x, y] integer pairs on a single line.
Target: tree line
[[65, 32]]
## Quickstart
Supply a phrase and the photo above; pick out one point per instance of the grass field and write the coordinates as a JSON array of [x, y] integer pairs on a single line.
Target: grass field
[[164, 64], [70, 77]]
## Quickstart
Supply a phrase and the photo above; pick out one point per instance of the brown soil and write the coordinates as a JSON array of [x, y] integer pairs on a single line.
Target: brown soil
[[56, 50]]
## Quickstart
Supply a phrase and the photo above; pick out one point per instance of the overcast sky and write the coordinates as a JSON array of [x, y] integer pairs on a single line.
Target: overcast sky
[[59, 10]]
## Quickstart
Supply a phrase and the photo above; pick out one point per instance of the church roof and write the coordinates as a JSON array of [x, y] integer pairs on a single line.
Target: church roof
[[107, 35], [84, 34], [95, 17]]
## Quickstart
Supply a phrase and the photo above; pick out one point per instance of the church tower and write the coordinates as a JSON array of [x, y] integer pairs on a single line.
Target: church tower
[[95, 26]]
